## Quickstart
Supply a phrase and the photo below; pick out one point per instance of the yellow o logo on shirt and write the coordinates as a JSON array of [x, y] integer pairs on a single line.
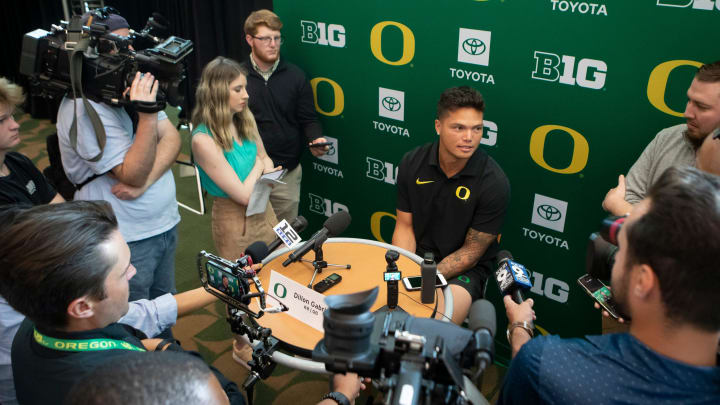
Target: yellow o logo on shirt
[[462, 193], [408, 49]]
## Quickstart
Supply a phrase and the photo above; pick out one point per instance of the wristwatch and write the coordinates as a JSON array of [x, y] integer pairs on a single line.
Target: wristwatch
[[338, 397]]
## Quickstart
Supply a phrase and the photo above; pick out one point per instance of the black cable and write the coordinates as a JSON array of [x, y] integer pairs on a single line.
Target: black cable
[[426, 306]]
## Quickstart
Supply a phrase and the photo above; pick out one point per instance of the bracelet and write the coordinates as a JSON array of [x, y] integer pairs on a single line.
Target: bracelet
[[338, 397], [525, 325]]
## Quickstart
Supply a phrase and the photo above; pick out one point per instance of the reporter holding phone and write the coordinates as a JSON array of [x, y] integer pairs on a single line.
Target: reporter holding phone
[[230, 156], [665, 278]]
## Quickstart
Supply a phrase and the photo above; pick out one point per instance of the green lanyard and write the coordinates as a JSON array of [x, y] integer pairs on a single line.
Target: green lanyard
[[83, 345]]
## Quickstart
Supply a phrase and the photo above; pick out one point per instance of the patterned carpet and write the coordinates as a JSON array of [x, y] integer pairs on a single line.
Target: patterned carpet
[[206, 330]]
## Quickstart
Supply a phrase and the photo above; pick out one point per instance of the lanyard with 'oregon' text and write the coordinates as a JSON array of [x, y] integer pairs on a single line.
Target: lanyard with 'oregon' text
[[83, 345]]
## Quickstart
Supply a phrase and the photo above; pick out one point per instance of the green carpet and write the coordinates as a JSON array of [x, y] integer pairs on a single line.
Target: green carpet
[[206, 330]]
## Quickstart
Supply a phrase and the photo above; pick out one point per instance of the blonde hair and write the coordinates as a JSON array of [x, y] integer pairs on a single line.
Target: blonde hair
[[211, 104], [262, 17], [11, 94]]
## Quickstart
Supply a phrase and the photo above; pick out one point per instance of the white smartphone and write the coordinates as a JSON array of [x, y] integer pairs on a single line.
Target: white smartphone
[[414, 283]]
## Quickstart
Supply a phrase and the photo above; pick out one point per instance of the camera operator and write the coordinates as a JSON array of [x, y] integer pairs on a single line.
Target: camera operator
[[665, 278], [66, 268], [133, 174]]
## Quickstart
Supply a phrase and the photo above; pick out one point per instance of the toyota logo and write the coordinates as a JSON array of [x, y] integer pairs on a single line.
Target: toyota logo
[[549, 212], [474, 46], [391, 103]]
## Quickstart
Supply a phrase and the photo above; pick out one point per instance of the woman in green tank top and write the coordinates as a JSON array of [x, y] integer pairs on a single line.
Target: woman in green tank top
[[230, 156]]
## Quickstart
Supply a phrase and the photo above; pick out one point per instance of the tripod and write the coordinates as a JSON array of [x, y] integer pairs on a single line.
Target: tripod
[[319, 263]]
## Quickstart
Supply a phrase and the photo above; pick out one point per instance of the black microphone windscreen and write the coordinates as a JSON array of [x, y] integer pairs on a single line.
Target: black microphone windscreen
[[299, 224], [504, 255], [257, 251], [482, 315], [337, 223]]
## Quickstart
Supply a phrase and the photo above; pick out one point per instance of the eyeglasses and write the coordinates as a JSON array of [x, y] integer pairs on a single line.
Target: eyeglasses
[[266, 40]]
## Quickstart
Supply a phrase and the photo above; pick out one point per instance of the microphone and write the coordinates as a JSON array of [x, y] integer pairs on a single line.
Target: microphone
[[512, 277], [333, 226], [257, 251], [298, 224], [483, 322]]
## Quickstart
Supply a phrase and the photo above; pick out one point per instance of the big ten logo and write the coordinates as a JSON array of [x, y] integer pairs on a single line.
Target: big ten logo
[[580, 7], [580, 151], [658, 81], [380, 49], [552, 288], [696, 4], [323, 34], [324, 206], [377, 220], [547, 67], [381, 171], [490, 130]]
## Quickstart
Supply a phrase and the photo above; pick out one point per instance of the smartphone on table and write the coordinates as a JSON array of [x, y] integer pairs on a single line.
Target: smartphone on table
[[415, 283]]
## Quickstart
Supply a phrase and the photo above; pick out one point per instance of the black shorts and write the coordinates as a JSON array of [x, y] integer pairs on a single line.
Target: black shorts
[[474, 280]]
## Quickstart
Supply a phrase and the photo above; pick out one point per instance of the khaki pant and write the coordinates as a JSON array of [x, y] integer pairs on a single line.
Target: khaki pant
[[232, 231], [285, 198]]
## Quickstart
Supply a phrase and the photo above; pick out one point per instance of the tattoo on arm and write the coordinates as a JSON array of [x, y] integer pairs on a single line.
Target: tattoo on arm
[[459, 261]]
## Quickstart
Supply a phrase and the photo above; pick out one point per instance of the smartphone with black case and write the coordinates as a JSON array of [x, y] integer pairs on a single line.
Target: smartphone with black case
[[601, 294]]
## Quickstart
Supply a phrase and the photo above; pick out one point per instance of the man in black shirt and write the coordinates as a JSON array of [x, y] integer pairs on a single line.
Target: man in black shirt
[[281, 100], [452, 199], [66, 267], [20, 181]]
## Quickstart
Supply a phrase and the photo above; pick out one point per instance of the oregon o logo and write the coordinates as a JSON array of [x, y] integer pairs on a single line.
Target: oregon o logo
[[375, 224], [462, 193], [658, 82], [278, 293], [408, 43], [338, 96], [391, 103], [548, 212], [580, 153], [474, 46], [465, 279]]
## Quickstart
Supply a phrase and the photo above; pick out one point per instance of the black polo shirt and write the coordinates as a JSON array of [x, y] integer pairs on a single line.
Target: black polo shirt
[[443, 209]]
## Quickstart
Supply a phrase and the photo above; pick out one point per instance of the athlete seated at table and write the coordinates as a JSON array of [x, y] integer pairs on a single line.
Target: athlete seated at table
[[452, 198]]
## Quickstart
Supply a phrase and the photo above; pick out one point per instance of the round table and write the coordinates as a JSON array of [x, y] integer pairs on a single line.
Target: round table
[[367, 260]]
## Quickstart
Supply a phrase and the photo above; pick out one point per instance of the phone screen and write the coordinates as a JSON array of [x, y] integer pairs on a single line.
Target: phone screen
[[416, 282], [222, 280]]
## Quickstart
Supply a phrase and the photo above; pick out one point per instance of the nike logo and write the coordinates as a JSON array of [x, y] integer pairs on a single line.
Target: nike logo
[[423, 182]]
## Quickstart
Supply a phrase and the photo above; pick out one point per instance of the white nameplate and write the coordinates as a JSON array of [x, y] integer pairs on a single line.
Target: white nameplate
[[306, 305]]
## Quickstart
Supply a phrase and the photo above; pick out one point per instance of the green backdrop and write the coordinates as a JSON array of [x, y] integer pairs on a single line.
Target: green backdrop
[[574, 92]]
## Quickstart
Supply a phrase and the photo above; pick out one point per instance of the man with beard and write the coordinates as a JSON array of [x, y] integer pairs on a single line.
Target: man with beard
[[674, 146], [665, 278], [281, 99]]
